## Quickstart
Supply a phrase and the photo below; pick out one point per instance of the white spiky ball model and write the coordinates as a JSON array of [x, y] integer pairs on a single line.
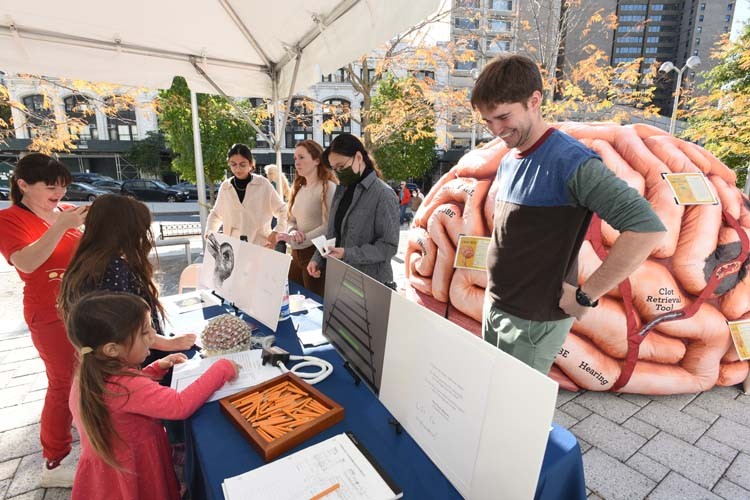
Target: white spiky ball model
[[225, 334]]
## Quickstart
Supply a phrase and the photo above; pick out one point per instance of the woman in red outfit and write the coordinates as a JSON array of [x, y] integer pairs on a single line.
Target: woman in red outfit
[[38, 237], [116, 406]]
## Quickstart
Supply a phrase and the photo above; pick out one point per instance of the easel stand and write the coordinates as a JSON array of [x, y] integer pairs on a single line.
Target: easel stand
[[351, 371]]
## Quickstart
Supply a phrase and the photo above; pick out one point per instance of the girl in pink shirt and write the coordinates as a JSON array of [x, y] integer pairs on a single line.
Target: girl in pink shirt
[[117, 407]]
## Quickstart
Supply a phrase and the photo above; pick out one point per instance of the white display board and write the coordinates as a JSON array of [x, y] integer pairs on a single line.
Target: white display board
[[481, 415], [252, 277]]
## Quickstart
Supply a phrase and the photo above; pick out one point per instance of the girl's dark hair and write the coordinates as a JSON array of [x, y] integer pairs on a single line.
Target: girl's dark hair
[[324, 174], [95, 320], [37, 167], [349, 145], [242, 150], [116, 226]]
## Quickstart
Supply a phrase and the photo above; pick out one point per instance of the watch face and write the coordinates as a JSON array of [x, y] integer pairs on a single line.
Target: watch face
[[582, 298]]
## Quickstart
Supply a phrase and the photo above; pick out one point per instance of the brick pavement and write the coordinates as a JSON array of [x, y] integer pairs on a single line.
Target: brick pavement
[[660, 447]]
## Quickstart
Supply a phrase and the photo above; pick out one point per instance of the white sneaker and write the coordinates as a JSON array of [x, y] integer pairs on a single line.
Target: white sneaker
[[61, 476]]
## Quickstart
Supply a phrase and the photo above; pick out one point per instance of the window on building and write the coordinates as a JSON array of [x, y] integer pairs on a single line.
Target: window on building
[[370, 74], [699, 29], [299, 124], [703, 6], [631, 18], [656, 18], [651, 50], [79, 108], [727, 19], [340, 109], [633, 6], [498, 45], [267, 126], [501, 5], [465, 23], [629, 39], [652, 39], [649, 60], [700, 18], [695, 52], [697, 41], [467, 4], [38, 114], [464, 65], [657, 6], [122, 126], [423, 74], [499, 25], [326, 78]]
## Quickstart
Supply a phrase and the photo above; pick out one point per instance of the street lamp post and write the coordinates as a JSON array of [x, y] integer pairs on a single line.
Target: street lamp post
[[668, 66], [474, 75]]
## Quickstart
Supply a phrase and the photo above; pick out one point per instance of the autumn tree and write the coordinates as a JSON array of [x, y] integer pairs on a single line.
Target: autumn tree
[[148, 154], [56, 131], [720, 119], [402, 127], [220, 127]]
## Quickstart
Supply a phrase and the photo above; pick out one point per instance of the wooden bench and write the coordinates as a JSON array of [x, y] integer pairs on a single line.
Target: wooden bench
[[174, 242]]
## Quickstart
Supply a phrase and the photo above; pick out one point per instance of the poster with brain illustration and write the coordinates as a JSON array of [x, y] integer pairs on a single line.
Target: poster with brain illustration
[[678, 354]]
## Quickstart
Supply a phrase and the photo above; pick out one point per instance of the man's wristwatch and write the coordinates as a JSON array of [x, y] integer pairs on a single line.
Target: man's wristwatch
[[584, 299]]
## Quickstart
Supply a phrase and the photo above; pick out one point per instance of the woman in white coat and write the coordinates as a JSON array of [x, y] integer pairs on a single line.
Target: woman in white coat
[[246, 203]]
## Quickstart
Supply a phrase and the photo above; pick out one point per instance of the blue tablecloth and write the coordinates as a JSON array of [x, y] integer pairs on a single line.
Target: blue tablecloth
[[216, 450]]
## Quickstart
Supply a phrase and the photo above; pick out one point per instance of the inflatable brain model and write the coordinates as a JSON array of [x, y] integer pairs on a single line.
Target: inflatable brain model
[[678, 356]]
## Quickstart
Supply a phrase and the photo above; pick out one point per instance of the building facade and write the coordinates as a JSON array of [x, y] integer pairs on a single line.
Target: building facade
[[102, 140]]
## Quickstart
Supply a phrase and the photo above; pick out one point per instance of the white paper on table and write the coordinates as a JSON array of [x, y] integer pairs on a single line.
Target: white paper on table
[[308, 472], [323, 245], [256, 283], [481, 415], [190, 301], [252, 373], [310, 328]]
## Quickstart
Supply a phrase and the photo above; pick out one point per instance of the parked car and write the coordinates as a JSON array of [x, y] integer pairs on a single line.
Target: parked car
[[151, 190], [81, 191], [112, 186], [4, 193], [191, 189], [89, 177]]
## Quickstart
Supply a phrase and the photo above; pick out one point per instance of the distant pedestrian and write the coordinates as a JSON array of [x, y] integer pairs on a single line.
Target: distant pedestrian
[[404, 200], [38, 236], [416, 200], [116, 406]]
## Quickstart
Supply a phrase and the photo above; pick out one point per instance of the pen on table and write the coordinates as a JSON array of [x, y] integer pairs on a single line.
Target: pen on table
[[326, 492]]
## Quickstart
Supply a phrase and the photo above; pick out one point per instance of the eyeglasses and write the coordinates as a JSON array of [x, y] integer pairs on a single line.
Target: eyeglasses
[[351, 164]]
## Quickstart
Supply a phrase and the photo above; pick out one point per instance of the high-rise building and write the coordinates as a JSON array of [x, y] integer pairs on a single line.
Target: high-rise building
[[658, 31]]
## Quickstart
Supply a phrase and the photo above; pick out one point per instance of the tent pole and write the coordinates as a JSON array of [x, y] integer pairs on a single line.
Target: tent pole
[[279, 128], [200, 181]]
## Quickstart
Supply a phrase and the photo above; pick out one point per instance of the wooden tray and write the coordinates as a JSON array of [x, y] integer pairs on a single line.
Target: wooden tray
[[308, 411]]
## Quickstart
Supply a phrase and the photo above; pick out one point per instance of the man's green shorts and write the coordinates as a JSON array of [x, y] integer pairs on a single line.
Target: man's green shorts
[[536, 343]]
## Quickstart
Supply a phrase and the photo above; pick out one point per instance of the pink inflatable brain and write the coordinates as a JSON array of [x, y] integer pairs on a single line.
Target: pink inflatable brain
[[681, 356]]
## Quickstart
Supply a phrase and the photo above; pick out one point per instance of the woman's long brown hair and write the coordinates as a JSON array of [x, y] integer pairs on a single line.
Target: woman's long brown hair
[[324, 174], [116, 226], [95, 320]]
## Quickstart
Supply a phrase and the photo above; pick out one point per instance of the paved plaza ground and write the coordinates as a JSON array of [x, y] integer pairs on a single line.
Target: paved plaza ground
[[692, 446]]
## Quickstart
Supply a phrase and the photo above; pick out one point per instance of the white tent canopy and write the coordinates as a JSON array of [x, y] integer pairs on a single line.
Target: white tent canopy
[[248, 48], [243, 45]]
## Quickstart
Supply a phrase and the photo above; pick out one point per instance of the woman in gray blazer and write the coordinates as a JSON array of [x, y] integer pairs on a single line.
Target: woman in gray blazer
[[364, 216]]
